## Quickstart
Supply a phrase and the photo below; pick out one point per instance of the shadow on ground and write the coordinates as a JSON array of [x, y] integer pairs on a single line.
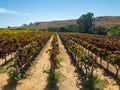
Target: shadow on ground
[[110, 74], [48, 87], [7, 62], [10, 86]]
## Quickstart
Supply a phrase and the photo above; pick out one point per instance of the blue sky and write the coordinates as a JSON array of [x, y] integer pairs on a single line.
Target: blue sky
[[18, 12]]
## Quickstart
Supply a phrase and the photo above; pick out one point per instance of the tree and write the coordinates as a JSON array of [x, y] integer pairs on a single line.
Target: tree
[[8, 27], [53, 29], [85, 22], [69, 28], [30, 23], [73, 28], [24, 24], [113, 30], [64, 29], [98, 30]]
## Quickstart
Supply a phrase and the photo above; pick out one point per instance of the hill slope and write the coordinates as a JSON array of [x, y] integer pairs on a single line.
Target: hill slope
[[99, 21], [50, 24], [107, 20]]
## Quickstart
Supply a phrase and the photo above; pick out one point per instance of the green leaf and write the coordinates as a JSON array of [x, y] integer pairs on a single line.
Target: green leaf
[[60, 59]]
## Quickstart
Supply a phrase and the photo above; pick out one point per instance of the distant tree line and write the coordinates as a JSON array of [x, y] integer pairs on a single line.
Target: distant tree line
[[85, 24], [69, 28]]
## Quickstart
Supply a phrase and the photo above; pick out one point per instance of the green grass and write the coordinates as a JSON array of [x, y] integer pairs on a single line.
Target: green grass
[[60, 59], [14, 76], [53, 78], [93, 82], [4, 70]]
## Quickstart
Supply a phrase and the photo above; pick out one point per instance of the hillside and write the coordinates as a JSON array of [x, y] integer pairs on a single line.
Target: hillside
[[50, 24], [99, 21], [107, 20]]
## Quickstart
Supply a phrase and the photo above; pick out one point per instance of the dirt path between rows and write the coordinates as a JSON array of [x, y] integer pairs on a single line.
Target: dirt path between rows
[[68, 78], [3, 80]]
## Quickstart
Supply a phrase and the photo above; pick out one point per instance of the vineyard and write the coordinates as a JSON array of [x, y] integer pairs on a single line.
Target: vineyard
[[35, 60]]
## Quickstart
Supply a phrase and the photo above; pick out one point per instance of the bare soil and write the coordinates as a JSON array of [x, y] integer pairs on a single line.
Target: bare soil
[[68, 80]]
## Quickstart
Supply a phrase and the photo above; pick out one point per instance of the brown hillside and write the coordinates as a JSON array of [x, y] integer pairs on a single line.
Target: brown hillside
[[107, 20], [99, 21], [50, 24]]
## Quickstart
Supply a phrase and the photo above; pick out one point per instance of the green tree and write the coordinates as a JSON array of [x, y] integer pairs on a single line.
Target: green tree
[[64, 29], [8, 27], [53, 29], [98, 30], [113, 30], [73, 28], [85, 22]]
